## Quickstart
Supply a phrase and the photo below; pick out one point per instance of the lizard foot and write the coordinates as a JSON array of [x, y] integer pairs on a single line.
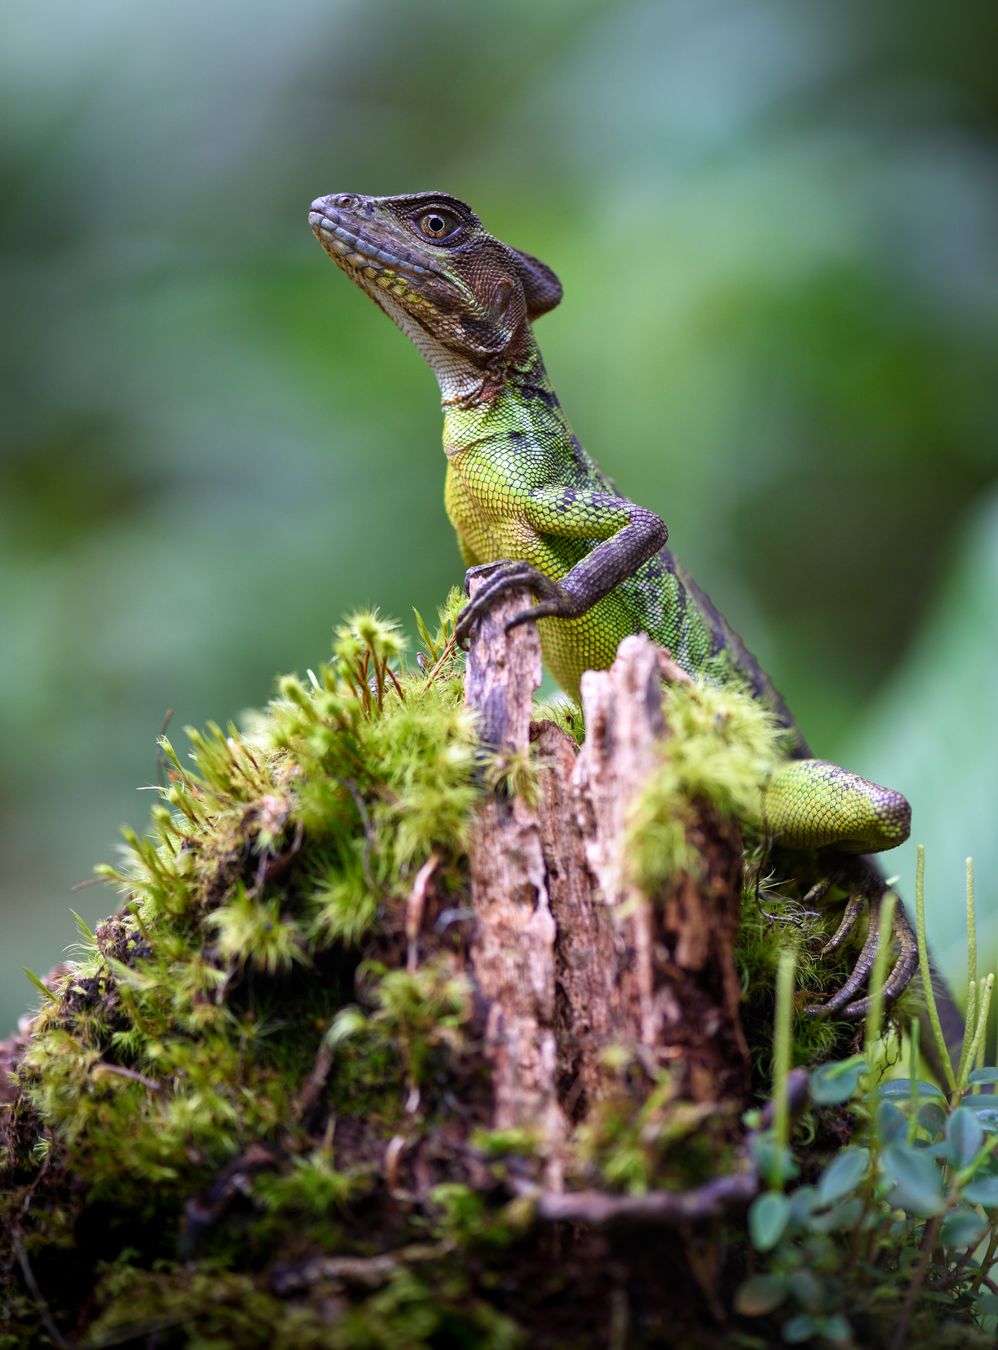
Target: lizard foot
[[509, 575], [866, 893]]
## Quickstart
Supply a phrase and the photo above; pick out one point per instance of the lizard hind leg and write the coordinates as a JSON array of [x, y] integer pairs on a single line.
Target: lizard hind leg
[[866, 893], [814, 804]]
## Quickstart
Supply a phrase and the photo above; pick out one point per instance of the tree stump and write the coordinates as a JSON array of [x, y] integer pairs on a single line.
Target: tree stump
[[490, 1097], [573, 959]]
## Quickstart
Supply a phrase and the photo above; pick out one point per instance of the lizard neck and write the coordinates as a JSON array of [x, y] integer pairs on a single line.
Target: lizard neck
[[508, 394]]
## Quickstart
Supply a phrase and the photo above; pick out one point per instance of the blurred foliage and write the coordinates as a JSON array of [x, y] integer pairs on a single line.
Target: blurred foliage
[[777, 227]]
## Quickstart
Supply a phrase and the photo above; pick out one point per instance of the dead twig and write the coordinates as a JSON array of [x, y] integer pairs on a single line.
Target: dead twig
[[44, 1312], [120, 1071], [716, 1199], [415, 907]]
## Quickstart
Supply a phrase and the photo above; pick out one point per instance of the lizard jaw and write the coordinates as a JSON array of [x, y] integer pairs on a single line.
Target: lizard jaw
[[339, 234]]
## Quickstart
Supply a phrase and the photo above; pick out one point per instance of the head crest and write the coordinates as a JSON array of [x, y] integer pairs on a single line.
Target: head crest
[[541, 288]]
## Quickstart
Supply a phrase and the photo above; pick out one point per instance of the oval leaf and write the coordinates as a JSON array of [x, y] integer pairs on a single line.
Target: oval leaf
[[986, 1111], [983, 1076], [760, 1295], [774, 1162], [982, 1191], [918, 1184], [842, 1217], [767, 1219], [837, 1330], [843, 1174], [892, 1123], [803, 1203], [808, 1290], [902, 1087], [932, 1119], [964, 1136], [962, 1228], [801, 1329], [833, 1084]]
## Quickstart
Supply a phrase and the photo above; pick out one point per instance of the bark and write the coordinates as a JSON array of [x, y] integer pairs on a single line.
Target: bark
[[571, 958]]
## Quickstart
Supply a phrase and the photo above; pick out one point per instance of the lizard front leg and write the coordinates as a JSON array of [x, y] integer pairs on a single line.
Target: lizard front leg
[[629, 535]]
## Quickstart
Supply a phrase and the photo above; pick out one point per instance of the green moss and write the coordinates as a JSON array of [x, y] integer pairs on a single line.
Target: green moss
[[185, 1031], [721, 745], [773, 921], [564, 713], [721, 748], [242, 1073], [500, 1143], [416, 1019], [413, 1311], [641, 1136], [467, 1218]]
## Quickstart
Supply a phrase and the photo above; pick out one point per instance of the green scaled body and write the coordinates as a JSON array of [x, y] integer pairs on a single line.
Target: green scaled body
[[532, 510], [519, 485]]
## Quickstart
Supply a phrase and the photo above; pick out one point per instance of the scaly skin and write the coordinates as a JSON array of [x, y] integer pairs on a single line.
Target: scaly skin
[[532, 509]]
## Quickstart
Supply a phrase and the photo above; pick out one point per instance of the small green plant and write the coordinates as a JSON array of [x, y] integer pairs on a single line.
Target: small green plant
[[900, 1227]]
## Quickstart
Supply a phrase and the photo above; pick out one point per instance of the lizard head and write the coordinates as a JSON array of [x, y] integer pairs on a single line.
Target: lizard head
[[463, 297]]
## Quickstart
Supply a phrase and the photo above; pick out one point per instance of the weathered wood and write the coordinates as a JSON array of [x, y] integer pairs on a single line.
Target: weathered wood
[[569, 955], [680, 985], [590, 948], [624, 729], [512, 951]]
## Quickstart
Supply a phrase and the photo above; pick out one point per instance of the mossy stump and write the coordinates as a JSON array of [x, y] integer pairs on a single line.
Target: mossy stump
[[405, 1034]]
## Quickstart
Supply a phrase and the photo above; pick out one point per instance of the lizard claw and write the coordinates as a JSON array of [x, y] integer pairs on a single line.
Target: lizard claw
[[868, 895], [501, 577], [479, 570], [545, 609], [903, 969]]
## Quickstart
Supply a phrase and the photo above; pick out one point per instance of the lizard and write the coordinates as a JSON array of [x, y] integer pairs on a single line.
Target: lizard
[[533, 511]]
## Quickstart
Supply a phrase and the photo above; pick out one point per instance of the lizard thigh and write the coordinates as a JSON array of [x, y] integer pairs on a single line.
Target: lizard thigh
[[811, 803]]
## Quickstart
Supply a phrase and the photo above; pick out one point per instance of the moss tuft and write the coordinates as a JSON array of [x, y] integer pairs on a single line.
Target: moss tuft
[[247, 1115], [193, 1027], [721, 746]]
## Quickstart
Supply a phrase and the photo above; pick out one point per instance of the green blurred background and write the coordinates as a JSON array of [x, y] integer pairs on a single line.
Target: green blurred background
[[777, 228]]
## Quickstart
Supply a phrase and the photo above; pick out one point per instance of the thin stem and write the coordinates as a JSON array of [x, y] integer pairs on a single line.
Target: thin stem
[[986, 1264], [970, 1027], [443, 658], [915, 1034], [982, 1025], [44, 1312], [926, 972], [899, 1339], [878, 975], [782, 1046], [394, 679], [971, 925]]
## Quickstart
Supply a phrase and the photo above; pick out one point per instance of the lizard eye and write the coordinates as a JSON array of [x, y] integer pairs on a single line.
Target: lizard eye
[[437, 224]]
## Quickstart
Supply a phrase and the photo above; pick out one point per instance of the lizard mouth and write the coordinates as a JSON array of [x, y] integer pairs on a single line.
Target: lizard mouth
[[340, 235]]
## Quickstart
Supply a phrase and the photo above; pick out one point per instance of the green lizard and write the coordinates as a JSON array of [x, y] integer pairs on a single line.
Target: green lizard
[[532, 510]]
